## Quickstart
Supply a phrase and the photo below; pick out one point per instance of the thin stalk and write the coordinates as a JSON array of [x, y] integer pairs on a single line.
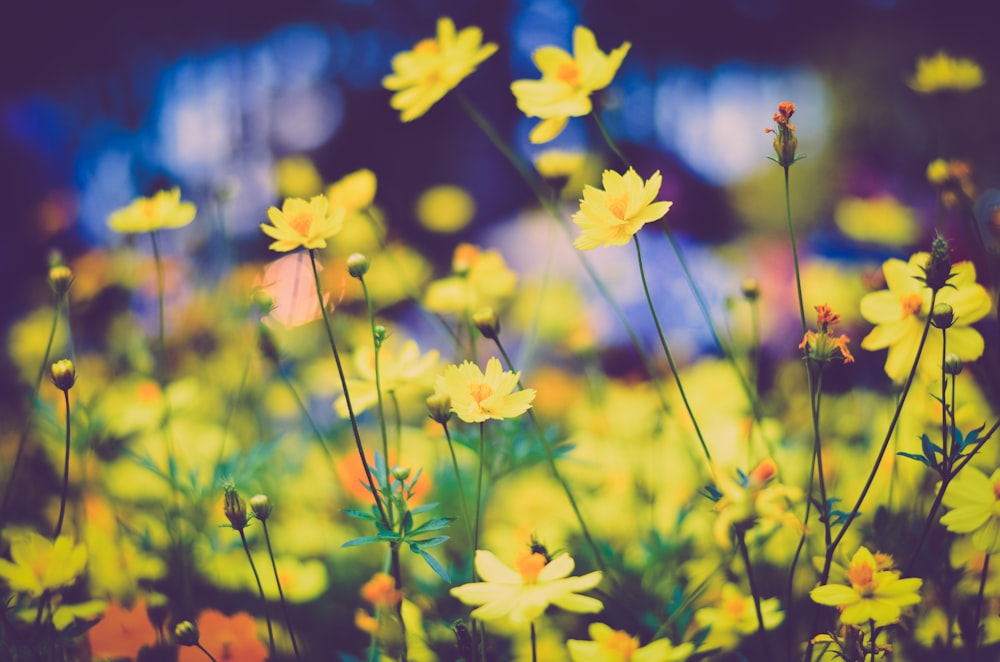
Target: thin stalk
[[305, 411], [974, 644], [347, 396], [818, 453], [65, 485], [260, 589], [397, 576], [398, 437], [461, 490], [160, 295], [534, 644], [607, 138], [378, 375], [795, 251], [281, 593], [741, 539], [479, 491], [670, 358], [205, 651], [873, 649]]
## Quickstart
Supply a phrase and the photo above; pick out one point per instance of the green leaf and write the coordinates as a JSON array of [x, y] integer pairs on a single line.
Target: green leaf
[[432, 525], [430, 542], [363, 540], [358, 514], [433, 563], [424, 508], [918, 458]]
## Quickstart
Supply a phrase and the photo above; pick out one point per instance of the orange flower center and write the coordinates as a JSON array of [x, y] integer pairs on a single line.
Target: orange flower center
[[148, 209], [621, 643], [301, 223], [426, 47], [996, 490], [618, 206], [861, 576], [912, 303], [568, 72], [735, 606], [529, 564], [480, 392]]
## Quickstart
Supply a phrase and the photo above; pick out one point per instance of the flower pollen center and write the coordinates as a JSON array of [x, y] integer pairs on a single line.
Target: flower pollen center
[[996, 490], [569, 73], [530, 564], [912, 303], [735, 606], [301, 223], [148, 209], [618, 206], [621, 643], [861, 576], [480, 392]]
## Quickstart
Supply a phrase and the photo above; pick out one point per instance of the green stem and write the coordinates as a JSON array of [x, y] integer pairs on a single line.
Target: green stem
[[378, 376], [608, 139], [670, 357], [741, 539], [281, 593], [160, 295], [305, 411], [795, 252], [479, 491], [818, 452], [461, 489], [205, 651], [534, 644], [260, 589], [65, 485], [974, 644]]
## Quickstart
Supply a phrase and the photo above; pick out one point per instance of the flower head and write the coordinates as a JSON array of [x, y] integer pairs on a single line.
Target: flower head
[[481, 279], [899, 314], [226, 638], [875, 593], [122, 632], [609, 645], [407, 367], [973, 501], [785, 141], [611, 217], [941, 72], [302, 224], [381, 591], [477, 396], [161, 211], [823, 346], [567, 82], [523, 594], [734, 617], [37, 564], [436, 65]]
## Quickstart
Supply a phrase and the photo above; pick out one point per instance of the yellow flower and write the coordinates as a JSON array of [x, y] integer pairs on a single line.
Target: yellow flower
[[874, 594], [609, 645], [567, 82], [40, 565], [297, 177], [944, 72], [482, 280], [434, 67], [163, 210], [736, 617], [445, 208], [881, 219], [522, 595], [353, 191], [408, 367], [611, 217], [899, 314], [477, 397], [300, 223], [974, 503]]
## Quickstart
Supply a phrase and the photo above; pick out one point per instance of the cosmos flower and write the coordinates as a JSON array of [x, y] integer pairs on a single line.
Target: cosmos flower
[[522, 595], [477, 396], [609, 645], [567, 82], [396, 370], [972, 500], [302, 224], [610, 217], [161, 211], [874, 594], [37, 564], [436, 65], [941, 72], [481, 279], [734, 617], [226, 638]]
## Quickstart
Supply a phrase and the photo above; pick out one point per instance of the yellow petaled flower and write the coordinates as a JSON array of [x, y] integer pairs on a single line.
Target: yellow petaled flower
[[900, 311], [477, 396], [301, 223], [875, 594], [481, 279], [297, 177], [944, 72], [609, 645], [420, 77], [734, 617], [353, 191], [163, 210], [38, 565], [522, 595], [408, 367], [567, 82], [974, 503], [612, 217]]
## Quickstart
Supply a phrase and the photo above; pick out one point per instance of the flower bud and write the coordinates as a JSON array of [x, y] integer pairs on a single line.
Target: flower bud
[[400, 473], [751, 289], [60, 279], [439, 407], [380, 334], [952, 364], [63, 374], [186, 633], [261, 506], [235, 508], [487, 322], [358, 265], [943, 316], [938, 269]]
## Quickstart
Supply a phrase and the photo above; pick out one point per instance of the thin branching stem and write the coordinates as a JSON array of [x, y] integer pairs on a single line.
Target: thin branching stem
[[65, 484], [974, 644], [281, 593], [260, 589], [741, 540]]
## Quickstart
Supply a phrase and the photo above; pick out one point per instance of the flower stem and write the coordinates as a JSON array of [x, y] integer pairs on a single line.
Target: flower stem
[[378, 375], [65, 485], [974, 644], [670, 357], [795, 251], [260, 589], [461, 490], [305, 411], [479, 491], [160, 295], [207, 654], [608, 139], [534, 644], [741, 539], [281, 593]]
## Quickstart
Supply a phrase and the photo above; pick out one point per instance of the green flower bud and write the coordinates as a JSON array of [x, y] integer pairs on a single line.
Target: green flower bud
[[63, 374], [186, 633], [358, 265], [952, 364], [261, 506], [943, 316], [938, 269], [439, 407], [235, 508], [60, 279], [751, 289], [487, 322]]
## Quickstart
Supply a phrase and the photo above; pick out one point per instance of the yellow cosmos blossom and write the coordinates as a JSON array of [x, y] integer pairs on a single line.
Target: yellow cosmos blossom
[[302, 224], [734, 617], [481, 279], [297, 177], [38, 565], [163, 210], [353, 191], [477, 396], [943, 72], [875, 594], [522, 595], [567, 82], [881, 219], [899, 314], [609, 645], [974, 503], [396, 370], [611, 217], [420, 77]]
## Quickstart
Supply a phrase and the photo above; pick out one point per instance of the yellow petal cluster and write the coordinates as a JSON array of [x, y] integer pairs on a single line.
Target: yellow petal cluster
[[481, 279], [396, 369], [422, 76], [608, 645], [38, 565], [522, 595], [943, 72], [612, 216], [875, 594], [973, 501], [477, 396], [567, 82], [301, 223], [163, 210]]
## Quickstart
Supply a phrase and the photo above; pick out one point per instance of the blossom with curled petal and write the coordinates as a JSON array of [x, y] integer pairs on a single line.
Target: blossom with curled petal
[[875, 594], [164, 210], [301, 223], [610, 217], [609, 645], [478, 396], [522, 595], [38, 565]]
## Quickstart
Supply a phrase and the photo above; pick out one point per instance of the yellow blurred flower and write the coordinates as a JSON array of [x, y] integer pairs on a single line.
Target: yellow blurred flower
[[881, 219], [567, 82], [941, 71], [477, 396], [875, 594], [609, 645], [445, 208], [522, 595], [482, 280], [435, 66], [735, 617], [302, 224], [938, 172], [163, 210], [353, 191], [611, 217], [297, 177], [900, 311], [38, 565], [973, 501], [396, 370]]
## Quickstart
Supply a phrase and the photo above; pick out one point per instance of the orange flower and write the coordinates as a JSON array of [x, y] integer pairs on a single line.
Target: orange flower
[[230, 638], [381, 591], [121, 632], [823, 346]]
